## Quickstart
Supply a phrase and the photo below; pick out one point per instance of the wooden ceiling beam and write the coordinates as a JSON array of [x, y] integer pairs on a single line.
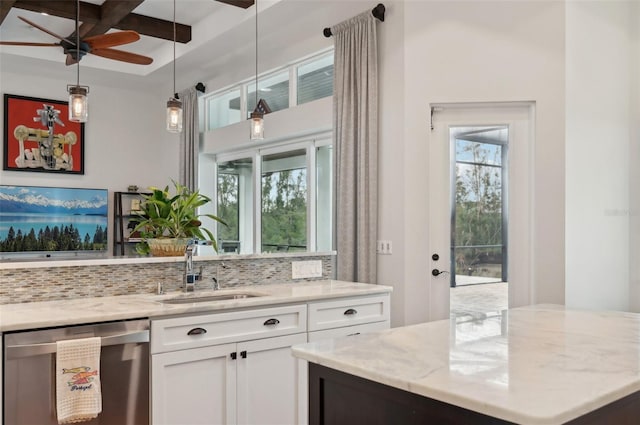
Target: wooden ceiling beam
[[153, 27], [5, 7], [245, 4], [92, 14], [112, 12]]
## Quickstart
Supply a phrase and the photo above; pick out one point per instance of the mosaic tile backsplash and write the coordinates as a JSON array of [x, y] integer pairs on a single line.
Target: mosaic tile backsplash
[[59, 283]]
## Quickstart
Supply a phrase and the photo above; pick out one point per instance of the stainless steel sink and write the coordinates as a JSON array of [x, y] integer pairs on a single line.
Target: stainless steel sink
[[209, 298]]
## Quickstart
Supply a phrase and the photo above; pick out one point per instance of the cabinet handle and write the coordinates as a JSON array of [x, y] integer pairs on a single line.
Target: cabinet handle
[[354, 334], [350, 312], [271, 322], [243, 354], [234, 355], [197, 331]]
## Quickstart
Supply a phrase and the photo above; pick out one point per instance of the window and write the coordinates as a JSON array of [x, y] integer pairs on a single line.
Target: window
[[223, 109], [234, 205], [324, 198], [479, 236], [274, 89], [315, 79], [271, 189], [284, 201], [299, 82]]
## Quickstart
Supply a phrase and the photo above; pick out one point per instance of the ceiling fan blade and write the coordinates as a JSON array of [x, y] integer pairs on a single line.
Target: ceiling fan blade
[[53, 34], [25, 43], [119, 38], [121, 55], [70, 60]]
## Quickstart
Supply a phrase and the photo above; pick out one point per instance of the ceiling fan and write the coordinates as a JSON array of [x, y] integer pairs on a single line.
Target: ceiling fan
[[99, 45]]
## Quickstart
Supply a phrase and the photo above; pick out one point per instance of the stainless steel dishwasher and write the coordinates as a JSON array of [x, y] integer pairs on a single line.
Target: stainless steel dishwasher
[[30, 382]]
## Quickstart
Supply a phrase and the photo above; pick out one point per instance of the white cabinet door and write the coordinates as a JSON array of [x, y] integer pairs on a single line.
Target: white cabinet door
[[272, 384], [194, 387]]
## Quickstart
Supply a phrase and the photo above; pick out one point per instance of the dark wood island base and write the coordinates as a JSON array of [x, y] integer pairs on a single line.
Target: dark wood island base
[[338, 398]]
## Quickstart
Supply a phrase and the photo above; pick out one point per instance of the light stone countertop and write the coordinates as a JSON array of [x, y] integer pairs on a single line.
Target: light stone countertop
[[532, 365], [90, 310]]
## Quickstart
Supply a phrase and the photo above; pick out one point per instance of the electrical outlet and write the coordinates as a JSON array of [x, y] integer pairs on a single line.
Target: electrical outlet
[[384, 247], [306, 269]]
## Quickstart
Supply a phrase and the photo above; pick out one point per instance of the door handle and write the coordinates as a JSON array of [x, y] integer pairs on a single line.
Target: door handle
[[436, 272]]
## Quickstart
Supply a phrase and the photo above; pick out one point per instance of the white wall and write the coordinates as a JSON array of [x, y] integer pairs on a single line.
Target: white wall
[[475, 52], [125, 137], [598, 148], [634, 166]]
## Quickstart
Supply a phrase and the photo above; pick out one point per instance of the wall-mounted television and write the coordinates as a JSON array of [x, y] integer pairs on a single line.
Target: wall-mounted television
[[47, 221]]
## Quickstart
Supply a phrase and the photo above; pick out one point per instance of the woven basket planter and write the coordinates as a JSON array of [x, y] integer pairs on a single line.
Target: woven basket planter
[[168, 247]]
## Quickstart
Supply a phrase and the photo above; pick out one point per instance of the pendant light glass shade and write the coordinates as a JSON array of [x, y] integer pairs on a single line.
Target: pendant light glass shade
[[78, 100], [174, 106], [257, 126], [257, 117], [78, 104], [174, 116]]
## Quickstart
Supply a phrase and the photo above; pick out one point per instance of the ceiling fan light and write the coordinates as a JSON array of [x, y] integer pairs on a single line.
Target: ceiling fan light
[[78, 103], [257, 125], [174, 115]]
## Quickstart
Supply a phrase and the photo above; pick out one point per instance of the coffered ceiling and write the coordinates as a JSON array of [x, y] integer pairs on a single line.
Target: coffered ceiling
[[197, 23]]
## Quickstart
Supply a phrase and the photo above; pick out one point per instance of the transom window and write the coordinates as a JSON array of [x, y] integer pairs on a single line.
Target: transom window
[[300, 82]]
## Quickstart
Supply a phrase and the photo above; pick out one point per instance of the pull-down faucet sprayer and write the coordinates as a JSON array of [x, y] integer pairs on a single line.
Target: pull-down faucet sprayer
[[190, 277]]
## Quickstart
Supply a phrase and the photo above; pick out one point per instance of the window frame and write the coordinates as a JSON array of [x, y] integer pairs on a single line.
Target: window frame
[[309, 144]]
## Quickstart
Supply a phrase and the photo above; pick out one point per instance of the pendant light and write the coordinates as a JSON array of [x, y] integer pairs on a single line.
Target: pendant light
[[78, 100], [174, 105], [257, 121]]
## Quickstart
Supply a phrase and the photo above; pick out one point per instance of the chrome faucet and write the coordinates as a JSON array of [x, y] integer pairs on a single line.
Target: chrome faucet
[[216, 279], [190, 277]]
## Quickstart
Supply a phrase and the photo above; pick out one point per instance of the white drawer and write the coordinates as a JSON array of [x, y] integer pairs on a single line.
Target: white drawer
[[348, 312], [211, 329], [348, 331]]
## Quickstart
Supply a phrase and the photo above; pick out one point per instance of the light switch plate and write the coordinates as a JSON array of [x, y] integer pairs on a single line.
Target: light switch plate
[[306, 269]]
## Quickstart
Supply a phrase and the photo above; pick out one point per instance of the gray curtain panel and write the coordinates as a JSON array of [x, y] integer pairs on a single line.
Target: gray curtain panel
[[355, 141], [189, 139]]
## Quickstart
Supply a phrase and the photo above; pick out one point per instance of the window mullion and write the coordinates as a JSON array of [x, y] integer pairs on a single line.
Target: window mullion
[[257, 211], [311, 198], [293, 85]]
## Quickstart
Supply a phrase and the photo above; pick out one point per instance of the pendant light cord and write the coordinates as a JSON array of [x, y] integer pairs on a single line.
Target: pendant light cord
[[174, 48], [256, 5], [78, 43]]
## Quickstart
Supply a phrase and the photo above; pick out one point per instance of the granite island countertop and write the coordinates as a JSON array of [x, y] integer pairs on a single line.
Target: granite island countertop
[[532, 365], [34, 315]]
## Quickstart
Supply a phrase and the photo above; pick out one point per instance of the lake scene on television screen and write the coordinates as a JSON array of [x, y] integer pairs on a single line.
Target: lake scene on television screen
[[52, 219]]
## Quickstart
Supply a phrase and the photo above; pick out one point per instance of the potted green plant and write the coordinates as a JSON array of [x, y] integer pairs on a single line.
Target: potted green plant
[[166, 221]]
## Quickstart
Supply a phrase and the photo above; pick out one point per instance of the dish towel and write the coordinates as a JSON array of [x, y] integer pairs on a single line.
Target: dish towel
[[78, 392]]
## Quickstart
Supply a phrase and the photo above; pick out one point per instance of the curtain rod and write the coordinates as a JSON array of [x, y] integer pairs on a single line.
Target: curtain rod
[[377, 12]]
